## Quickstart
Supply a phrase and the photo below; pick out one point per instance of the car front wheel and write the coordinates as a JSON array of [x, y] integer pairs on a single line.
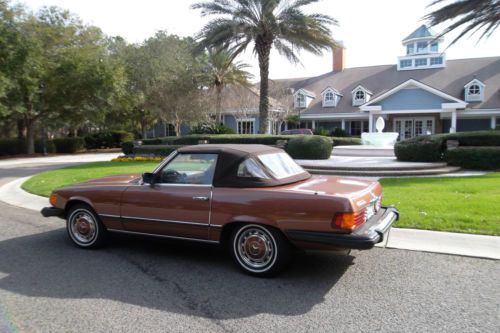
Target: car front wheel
[[259, 250], [85, 228]]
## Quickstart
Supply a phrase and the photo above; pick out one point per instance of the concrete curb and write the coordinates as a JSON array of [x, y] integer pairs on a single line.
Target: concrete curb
[[479, 246]]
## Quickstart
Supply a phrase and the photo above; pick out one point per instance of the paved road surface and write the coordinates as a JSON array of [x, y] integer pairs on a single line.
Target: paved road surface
[[144, 285]]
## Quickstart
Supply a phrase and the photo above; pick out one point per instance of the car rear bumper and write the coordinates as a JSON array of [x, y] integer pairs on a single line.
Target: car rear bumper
[[374, 231], [52, 211]]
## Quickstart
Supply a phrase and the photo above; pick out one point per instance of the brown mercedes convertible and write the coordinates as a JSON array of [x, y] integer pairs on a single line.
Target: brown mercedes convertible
[[253, 198]]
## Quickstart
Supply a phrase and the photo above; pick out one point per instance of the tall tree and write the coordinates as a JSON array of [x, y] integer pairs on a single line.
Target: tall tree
[[472, 15], [221, 70], [281, 24]]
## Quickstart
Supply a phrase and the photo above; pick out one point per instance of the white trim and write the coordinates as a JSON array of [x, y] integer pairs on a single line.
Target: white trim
[[471, 113], [357, 116], [474, 97], [416, 56], [413, 111], [449, 106], [474, 81], [493, 122], [371, 108], [413, 119], [407, 83], [251, 120], [305, 92]]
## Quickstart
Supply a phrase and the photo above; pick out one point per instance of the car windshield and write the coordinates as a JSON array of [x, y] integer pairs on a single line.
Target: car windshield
[[281, 165]]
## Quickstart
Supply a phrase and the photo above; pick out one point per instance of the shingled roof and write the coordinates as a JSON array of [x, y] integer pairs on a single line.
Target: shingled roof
[[379, 79]]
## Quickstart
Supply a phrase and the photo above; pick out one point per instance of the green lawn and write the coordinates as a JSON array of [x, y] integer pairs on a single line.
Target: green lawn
[[44, 183], [458, 204]]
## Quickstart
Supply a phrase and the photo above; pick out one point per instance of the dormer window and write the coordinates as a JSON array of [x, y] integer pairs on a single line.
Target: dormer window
[[360, 96], [301, 101], [331, 97], [474, 91], [302, 98]]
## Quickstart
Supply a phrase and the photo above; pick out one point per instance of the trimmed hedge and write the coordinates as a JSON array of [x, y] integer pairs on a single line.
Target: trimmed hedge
[[49, 146], [12, 147], [112, 139], [69, 145], [432, 148], [310, 147], [159, 150], [128, 148], [479, 158], [340, 141]]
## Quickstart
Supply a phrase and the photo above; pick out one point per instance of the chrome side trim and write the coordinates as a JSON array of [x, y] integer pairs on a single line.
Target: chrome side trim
[[164, 221], [109, 215], [216, 226], [181, 185], [164, 236]]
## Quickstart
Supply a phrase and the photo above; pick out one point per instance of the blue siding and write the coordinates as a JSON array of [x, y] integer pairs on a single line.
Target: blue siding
[[412, 99], [230, 122], [465, 125]]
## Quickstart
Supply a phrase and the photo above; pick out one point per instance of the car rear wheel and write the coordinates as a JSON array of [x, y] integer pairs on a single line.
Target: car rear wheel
[[259, 250], [85, 228]]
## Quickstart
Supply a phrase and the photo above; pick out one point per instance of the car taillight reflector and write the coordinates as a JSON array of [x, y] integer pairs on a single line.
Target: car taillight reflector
[[53, 199], [349, 221]]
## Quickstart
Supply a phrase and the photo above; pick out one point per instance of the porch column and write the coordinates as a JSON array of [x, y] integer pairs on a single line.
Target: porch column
[[343, 124], [314, 124], [453, 127], [493, 122], [370, 122]]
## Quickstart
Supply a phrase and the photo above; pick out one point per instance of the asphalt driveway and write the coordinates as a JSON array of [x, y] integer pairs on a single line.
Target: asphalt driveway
[[145, 285]]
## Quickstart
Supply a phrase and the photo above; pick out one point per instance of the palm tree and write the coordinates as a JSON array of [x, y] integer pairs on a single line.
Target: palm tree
[[266, 23], [221, 70], [474, 15]]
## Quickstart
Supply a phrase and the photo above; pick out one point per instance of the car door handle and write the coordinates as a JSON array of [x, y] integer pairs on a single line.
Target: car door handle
[[201, 198]]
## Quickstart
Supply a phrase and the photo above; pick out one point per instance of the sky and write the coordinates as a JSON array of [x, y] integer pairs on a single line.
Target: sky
[[370, 30]]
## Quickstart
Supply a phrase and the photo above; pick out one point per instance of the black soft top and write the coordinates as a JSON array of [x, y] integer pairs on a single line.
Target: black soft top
[[229, 158]]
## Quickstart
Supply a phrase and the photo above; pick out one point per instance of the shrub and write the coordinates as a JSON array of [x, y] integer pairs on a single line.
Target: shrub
[[310, 147], [128, 147], [112, 139], [321, 131], [479, 158], [432, 148], [69, 145], [419, 151], [158, 150], [339, 133], [137, 158], [211, 129], [346, 141], [49, 146], [12, 147]]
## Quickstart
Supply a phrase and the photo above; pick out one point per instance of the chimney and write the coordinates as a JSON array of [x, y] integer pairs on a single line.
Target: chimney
[[339, 57]]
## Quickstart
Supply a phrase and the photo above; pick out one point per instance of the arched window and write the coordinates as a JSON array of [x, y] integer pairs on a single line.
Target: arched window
[[360, 95], [474, 89]]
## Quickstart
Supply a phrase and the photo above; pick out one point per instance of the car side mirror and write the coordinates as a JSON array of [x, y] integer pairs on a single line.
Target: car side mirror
[[148, 178]]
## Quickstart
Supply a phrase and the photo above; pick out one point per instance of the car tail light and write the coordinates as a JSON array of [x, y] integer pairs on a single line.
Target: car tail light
[[349, 221], [53, 199]]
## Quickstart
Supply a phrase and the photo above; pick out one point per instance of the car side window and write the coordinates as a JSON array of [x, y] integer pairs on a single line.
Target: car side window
[[189, 169], [249, 168]]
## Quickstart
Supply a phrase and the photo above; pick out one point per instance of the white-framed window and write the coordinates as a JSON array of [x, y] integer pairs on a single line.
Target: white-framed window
[[434, 47], [474, 91], [410, 48], [246, 126], [436, 61], [330, 98], [421, 47], [300, 101], [421, 62], [360, 95], [405, 63]]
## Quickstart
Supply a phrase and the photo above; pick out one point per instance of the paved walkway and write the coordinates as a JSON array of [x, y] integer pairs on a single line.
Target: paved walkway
[[15, 172]]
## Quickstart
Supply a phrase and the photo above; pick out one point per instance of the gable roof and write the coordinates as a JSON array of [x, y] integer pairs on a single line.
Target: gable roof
[[305, 92], [417, 84], [380, 79], [421, 32]]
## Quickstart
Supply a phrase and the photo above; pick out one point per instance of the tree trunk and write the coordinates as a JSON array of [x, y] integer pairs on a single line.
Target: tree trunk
[[30, 135], [21, 129], [263, 48], [218, 103]]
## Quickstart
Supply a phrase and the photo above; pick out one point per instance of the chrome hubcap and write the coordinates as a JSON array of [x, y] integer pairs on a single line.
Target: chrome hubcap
[[83, 227], [255, 248]]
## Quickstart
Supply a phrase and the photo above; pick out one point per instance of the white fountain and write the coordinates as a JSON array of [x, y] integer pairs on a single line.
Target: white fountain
[[378, 144], [379, 138]]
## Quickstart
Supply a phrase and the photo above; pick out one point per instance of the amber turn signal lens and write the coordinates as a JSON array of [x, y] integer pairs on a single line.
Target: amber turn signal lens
[[349, 221], [53, 199]]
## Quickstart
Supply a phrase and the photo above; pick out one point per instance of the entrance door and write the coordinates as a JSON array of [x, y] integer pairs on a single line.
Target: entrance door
[[412, 127]]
